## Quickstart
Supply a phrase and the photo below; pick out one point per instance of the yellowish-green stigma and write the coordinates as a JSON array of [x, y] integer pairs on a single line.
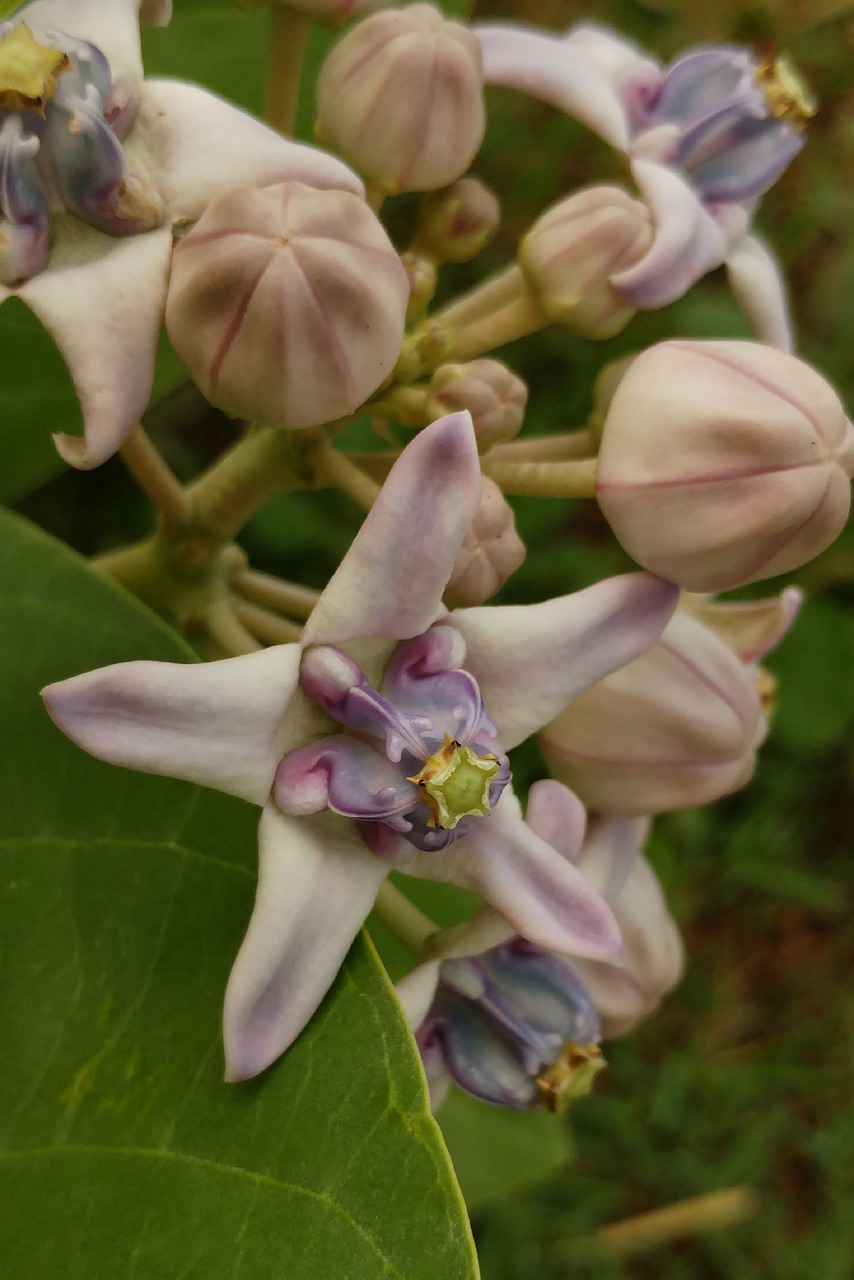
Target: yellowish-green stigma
[[570, 1076], [455, 783], [28, 71], [787, 94]]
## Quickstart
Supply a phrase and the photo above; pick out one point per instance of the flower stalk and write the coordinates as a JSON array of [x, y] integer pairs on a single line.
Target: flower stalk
[[575, 478], [288, 39], [406, 921]]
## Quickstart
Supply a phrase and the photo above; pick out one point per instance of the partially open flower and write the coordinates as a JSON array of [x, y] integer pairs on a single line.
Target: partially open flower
[[287, 304], [677, 727], [572, 252], [493, 394], [401, 98], [491, 551], [456, 223], [723, 463]]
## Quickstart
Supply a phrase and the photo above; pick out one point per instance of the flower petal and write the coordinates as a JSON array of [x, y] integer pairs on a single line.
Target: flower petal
[[559, 71], [557, 816], [102, 300], [539, 892], [202, 146], [345, 775], [610, 851], [751, 628], [391, 580], [416, 990], [759, 289], [111, 25], [688, 241], [316, 884], [531, 660], [215, 723]]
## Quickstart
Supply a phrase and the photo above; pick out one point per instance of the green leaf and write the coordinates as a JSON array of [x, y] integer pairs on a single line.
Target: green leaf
[[121, 1150]]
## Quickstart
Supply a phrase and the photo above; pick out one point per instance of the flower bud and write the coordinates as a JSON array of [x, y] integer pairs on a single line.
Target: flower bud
[[570, 254], [677, 727], [330, 13], [287, 304], [491, 551], [724, 463], [421, 274], [401, 98], [493, 394], [751, 628], [456, 223]]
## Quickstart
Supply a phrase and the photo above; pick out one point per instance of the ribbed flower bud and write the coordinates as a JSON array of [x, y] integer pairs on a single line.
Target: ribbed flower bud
[[401, 98], [724, 463], [287, 304], [491, 551], [677, 727], [570, 254], [330, 13], [456, 223], [493, 394]]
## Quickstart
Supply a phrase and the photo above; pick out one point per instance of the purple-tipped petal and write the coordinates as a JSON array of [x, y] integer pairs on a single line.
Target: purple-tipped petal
[[339, 686], [483, 1062], [688, 241], [557, 816], [532, 660], [316, 884], [345, 775], [391, 580], [759, 288], [539, 892], [423, 679], [102, 302], [215, 723], [203, 146]]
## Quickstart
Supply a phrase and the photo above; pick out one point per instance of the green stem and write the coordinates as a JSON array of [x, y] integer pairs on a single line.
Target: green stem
[[493, 295], [336, 468], [154, 477], [561, 446], [288, 38], [267, 627], [516, 320], [407, 921], [272, 593], [573, 479]]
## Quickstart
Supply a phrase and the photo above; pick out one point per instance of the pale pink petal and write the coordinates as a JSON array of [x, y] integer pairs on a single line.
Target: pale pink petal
[[316, 884], [201, 146], [391, 580], [532, 660], [416, 990], [111, 25], [554, 70], [610, 851], [557, 816], [102, 299], [688, 241], [214, 723], [751, 628], [759, 289], [540, 893]]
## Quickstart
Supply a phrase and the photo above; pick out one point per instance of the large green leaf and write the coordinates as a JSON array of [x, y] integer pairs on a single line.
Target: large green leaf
[[121, 1150]]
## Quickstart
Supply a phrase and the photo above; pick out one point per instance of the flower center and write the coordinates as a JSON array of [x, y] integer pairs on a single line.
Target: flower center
[[570, 1076], [455, 782], [786, 93], [28, 71]]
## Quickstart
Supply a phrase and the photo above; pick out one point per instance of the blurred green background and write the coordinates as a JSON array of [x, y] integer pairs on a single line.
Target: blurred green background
[[744, 1077]]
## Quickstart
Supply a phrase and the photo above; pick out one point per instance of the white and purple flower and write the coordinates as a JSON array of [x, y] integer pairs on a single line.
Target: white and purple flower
[[706, 136], [417, 775]]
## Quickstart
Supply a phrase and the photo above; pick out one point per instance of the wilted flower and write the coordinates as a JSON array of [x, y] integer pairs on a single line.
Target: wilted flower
[[420, 711], [401, 98], [706, 135], [128, 159], [287, 304], [723, 463]]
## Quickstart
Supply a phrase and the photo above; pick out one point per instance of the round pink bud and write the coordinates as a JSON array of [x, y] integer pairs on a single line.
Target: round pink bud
[[677, 727], [723, 463], [287, 304], [493, 394], [491, 551], [456, 223], [570, 254], [330, 13], [401, 98]]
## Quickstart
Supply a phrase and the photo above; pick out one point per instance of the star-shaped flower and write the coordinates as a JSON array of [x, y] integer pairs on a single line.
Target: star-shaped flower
[[98, 167], [706, 135], [328, 736]]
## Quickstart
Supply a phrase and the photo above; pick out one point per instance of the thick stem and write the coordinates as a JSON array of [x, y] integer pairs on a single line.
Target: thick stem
[[154, 477], [404, 404], [337, 469], [701, 1213], [573, 479], [407, 921], [516, 320], [273, 593], [493, 295], [288, 38], [561, 446], [266, 626]]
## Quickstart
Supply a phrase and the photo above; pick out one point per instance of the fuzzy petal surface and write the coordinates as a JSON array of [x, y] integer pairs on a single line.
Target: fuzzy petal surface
[[316, 884], [214, 723], [391, 580], [759, 289], [531, 660]]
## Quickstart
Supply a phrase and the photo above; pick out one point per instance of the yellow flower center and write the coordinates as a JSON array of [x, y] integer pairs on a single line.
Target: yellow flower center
[[455, 783], [28, 71], [786, 93], [570, 1076]]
